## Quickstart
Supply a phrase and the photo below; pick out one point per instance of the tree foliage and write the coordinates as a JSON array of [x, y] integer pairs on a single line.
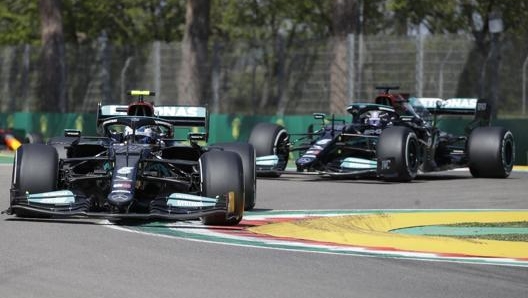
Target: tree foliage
[[456, 16], [19, 22], [274, 30], [262, 20], [124, 21], [481, 75], [136, 21]]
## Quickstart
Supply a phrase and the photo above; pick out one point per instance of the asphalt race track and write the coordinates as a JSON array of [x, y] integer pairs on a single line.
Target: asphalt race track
[[91, 258]]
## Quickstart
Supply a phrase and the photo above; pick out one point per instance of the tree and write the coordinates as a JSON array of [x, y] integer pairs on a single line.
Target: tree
[[53, 61], [480, 77], [274, 43], [344, 21], [125, 21], [193, 75], [18, 21]]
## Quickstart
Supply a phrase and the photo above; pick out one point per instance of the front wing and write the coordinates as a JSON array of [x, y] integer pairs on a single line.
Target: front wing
[[178, 206], [349, 167]]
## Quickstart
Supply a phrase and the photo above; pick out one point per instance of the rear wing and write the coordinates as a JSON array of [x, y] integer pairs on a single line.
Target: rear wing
[[181, 116], [479, 108], [451, 106], [177, 116]]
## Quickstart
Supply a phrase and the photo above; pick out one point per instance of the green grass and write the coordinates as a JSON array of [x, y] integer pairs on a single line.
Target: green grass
[[6, 157], [499, 237], [513, 224]]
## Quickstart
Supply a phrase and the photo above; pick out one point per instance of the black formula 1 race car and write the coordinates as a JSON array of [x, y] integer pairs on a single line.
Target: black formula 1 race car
[[11, 139], [393, 139], [136, 169]]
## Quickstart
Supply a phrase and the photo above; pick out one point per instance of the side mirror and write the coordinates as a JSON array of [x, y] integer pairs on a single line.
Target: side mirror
[[72, 133], [320, 116]]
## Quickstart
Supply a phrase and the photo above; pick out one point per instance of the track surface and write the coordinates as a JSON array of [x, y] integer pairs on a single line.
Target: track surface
[[83, 258]]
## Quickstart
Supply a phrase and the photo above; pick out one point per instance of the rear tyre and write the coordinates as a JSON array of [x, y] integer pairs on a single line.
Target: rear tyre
[[398, 154], [35, 170], [271, 139], [247, 155], [34, 138], [491, 152], [222, 172]]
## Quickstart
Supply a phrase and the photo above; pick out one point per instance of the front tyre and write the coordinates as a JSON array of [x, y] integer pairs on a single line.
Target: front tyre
[[222, 172], [491, 152], [247, 154], [35, 170], [398, 152]]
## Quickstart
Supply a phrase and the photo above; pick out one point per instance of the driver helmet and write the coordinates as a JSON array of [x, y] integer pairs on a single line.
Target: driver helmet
[[143, 135], [403, 107], [376, 119], [399, 104]]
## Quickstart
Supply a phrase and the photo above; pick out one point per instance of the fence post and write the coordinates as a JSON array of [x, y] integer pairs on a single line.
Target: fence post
[[419, 64], [524, 86], [441, 73], [215, 77], [104, 75], [157, 68], [350, 68]]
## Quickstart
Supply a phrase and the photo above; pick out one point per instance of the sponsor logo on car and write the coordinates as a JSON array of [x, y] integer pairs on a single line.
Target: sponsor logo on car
[[120, 195], [175, 111], [125, 170], [122, 185], [373, 131]]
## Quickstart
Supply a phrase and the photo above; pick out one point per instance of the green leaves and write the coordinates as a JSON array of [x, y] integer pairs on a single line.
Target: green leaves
[[257, 20], [18, 22], [139, 21], [455, 16], [124, 21]]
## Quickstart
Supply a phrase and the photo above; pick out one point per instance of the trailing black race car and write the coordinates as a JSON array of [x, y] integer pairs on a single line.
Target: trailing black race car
[[13, 138], [393, 138], [136, 169]]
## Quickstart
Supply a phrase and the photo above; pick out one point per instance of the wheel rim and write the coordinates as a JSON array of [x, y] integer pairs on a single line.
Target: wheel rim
[[281, 147], [508, 153], [411, 157]]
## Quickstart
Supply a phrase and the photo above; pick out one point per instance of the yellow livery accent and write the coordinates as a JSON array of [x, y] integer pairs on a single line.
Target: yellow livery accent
[[231, 202], [141, 92]]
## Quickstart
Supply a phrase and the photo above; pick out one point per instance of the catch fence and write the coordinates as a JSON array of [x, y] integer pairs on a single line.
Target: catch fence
[[274, 77]]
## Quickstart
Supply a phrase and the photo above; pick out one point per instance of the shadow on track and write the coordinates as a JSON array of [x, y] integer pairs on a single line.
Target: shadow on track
[[420, 178]]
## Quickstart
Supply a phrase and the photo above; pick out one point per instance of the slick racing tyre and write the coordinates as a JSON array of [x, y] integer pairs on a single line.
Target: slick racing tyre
[[398, 154], [271, 139], [222, 172], [491, 152], [35, 170], [33, 138], [247, 154]]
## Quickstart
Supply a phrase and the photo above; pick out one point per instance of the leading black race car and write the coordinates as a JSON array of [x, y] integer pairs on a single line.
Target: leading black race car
[[393, 138], [136, 169]]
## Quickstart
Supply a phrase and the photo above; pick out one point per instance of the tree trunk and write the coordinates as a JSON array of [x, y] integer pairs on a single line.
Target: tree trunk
[[193, 77], [344, 20], [53, 65]]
